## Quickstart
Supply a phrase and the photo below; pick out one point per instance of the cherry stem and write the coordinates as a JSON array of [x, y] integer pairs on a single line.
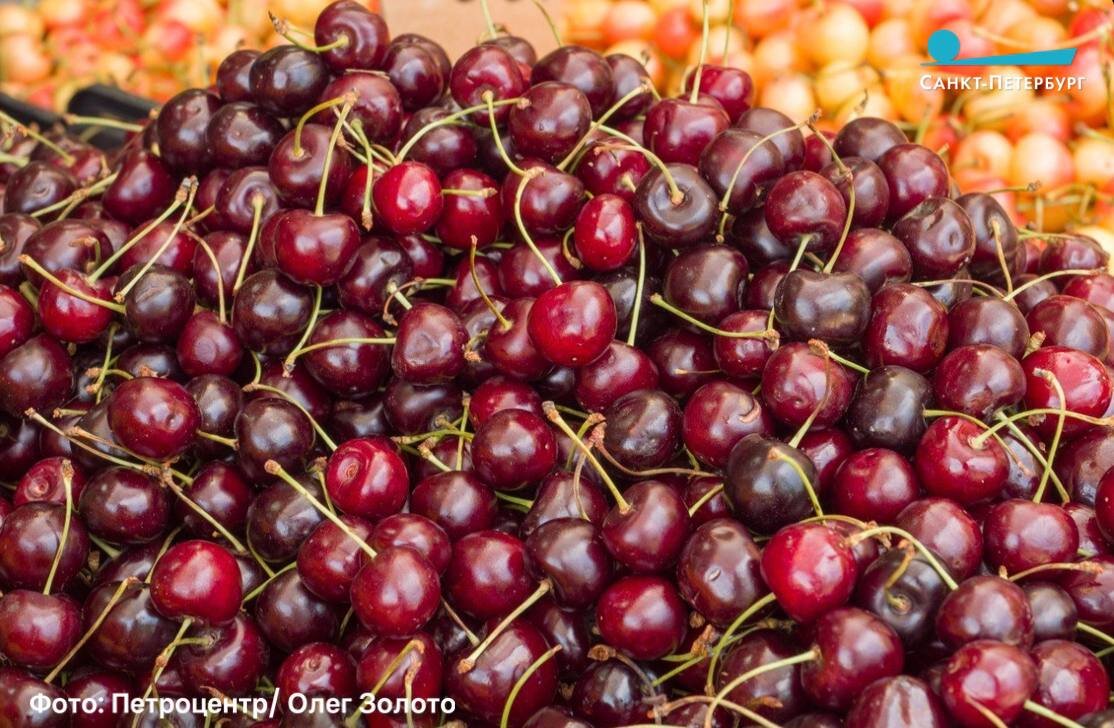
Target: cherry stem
[[123, 292], [843, 361], [844, 170], [34, 134], [226, 441], [981, 285], [757, 606], [695, 93], [660, 302], [816, 345], [988, 714], [218, 527], [453, 118], [804, 481], [274, 468], [184, 190], [270, 578], [527, 176], [747, 713], [489, 100], [283, 28], [103, 615], [257, 203], [256, 386], [1035, 451], [349, 102], [470, 661], [554, 416], [1084, 566], [1093, 632], [1054, 274], [288, 363], [676, 196], [67, 485], [739, 169], [996, 232], [873, 531], [220, 279], [636, 307], [808, 656], [575, 154], [597, 442], [521, 683], [163, 660], [66, 204], [1034, 707], [101, 122], [702, 500], [549, 22], [488, 22], [394, 664], [53, 280], [328, 104]]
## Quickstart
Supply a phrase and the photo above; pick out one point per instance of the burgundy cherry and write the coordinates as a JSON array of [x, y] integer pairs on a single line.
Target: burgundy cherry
[[642, 616], [987, 675], [810, 569], [197, 580]]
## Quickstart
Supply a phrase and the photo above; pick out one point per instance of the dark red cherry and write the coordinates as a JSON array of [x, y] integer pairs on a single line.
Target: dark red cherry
[[488, 575], [396, 592], [832, 307], [896, 699], [642, 616], [1084, 380], [37, 185], [241, 134], [1071, 682], [329, 559], [546, 199], [132, 634], [678, 130], [197, 580], [1092, 591], [977, 380], [360, 37], [616, 171], [156, 418], [233, 73], [987, 675], [297, 165], [287, 80], [875, 256], [230, 659], [903, 590], [207, 345], [37, 630], [318, 668], [605, 235], [180, 131], [868, 137], [270, 312], [271, 428], [408, 198], [947, 530], [908, 328], [221, 491], [854, 648], [887, 410], [315, 249], [513, 449], [468, 217], [798, 382], [573, 323], [1071, 322], [549, 120], [722, 165], [416, 532], [763, 482], [571, 553], [874, 484], [985, 607], [810, 569], [621, 369], [649, 534], [483, 689], [563, 495], [429, 345], [124, 506], [676, 219], [733, 88], [289, 615], [280, 519], [1072, 251], [803, 204], [581, 68], [953, 461], [72, 319], [486, 69], [914, 174], [718, 415], [719, 572], [790, 142], [872, 192], [1020, 534], [417, 75], [20, 693], [366, 477], [643, 429]]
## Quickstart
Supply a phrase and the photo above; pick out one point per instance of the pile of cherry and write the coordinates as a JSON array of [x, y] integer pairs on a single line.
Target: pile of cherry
[[510, 382]]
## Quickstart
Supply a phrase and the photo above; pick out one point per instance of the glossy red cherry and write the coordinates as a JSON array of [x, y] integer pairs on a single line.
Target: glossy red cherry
[[396, 592], [985, 607], [642, 616], [1085, 382], [954, 461], [810, 569], [197, 580], [573, 323], [156, 418], [853, 649], [367, 478], [987, 675]]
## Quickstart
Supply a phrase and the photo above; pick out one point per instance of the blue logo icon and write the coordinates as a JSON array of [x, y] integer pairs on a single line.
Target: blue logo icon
[[943, 46]]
